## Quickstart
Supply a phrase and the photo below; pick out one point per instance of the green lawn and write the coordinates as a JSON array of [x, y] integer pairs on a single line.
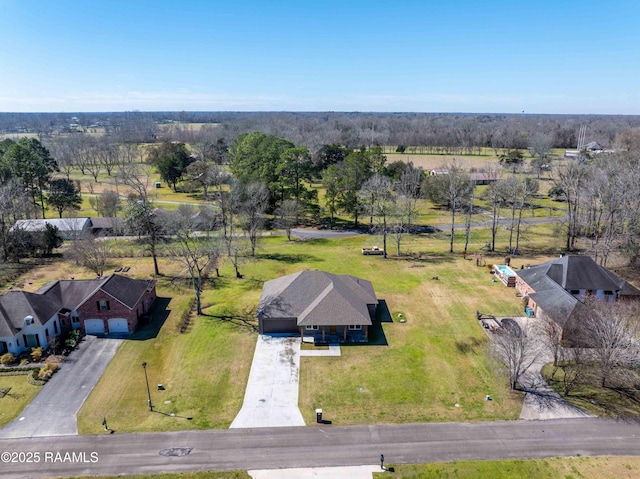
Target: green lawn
[[554, 468], [612, 402], [21, 394], [416, 371]]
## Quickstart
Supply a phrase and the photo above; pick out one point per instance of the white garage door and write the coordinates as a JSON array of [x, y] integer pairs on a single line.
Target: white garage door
[[118, 326], [94, 326]]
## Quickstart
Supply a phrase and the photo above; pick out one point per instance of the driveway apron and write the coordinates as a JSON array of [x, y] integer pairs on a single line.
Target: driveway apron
[[271, 397], [53, 411]]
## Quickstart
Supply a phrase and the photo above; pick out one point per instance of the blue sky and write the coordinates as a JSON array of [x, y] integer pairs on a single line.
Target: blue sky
[[349, 55]]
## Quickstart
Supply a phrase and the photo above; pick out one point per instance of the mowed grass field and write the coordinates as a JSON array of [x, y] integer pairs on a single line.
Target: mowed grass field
[[553, 468], [414, 371], [21, 393], [410, 372]]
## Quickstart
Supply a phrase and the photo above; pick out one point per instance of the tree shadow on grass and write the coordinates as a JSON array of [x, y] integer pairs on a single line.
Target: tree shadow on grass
[[468, 345], [419, 258], [159, 315], [245, 319], [290, 258]]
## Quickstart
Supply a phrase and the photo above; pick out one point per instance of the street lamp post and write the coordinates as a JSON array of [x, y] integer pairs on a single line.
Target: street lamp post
[[144, 366]]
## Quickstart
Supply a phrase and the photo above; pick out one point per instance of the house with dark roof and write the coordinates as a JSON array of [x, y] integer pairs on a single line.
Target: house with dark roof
[[27, 320], [557, 289], [329, 307], [109, 305]]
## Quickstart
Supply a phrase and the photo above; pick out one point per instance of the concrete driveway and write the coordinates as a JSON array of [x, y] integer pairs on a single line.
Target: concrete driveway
[[346, 472], [53, 411], [541, 402], [271, 397]]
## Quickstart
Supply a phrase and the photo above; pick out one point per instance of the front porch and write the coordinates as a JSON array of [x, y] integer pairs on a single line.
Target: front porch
[[335, 334]]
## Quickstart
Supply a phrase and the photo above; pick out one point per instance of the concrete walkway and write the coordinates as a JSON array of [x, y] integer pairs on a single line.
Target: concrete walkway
[[334, 350], [271, 396], [347, 472], [53, 411]]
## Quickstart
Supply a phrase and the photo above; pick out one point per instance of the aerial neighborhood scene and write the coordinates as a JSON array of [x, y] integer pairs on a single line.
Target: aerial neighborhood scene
[[319, 240]]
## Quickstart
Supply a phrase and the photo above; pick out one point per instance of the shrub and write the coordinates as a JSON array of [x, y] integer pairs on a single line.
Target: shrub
[[74, 338], [7, 359], [36, 354], [46, 372], [24, 362]]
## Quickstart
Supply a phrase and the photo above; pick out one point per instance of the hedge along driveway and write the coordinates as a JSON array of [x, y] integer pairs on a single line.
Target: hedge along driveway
[[53, 411]]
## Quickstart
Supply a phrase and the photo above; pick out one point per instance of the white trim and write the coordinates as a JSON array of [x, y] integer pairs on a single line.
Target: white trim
[[355, 327]]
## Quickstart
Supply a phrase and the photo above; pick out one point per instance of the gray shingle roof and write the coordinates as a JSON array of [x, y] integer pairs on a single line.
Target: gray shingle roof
[[126, 290], [317, 298], [553, 280], [575, 272], [55, 295], [16, 305]]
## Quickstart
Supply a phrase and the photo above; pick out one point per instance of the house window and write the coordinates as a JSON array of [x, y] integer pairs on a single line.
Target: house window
[[355, 327], [608, 293], [103, 305], [313, 327], [75, 319], [55, 327], [575, 291]]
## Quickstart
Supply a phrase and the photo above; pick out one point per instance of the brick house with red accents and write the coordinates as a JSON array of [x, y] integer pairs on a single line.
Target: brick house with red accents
[[113, 304]]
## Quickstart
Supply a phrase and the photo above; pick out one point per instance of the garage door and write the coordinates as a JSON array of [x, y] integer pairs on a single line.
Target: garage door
[[278, 326], [94, 326], [118, 326]]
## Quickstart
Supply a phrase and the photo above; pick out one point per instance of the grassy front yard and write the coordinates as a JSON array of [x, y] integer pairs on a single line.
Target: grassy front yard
[[412, 371], [21, 394], [555, 468]]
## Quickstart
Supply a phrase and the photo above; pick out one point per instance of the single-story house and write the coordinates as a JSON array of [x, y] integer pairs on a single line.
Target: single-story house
[[329, 307], [69, 228], [556, 289], [112, 304], [107, 226], [483, 178]]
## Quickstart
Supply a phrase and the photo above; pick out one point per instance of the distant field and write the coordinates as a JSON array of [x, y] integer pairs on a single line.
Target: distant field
[[430, 162]]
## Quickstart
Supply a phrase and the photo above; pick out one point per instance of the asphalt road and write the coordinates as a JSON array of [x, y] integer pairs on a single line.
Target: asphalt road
[[53, 411], [316, 446]]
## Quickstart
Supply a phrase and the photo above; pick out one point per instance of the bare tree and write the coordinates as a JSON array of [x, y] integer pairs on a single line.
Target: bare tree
[[611, 330], [452, 190], [195, 253], [574, 367], [253, 207], [493, 194], [140, 208], [516, 350], [107, 203], [571, 180], [92, 253], [540, 145], [409, 191], [288, 212]]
